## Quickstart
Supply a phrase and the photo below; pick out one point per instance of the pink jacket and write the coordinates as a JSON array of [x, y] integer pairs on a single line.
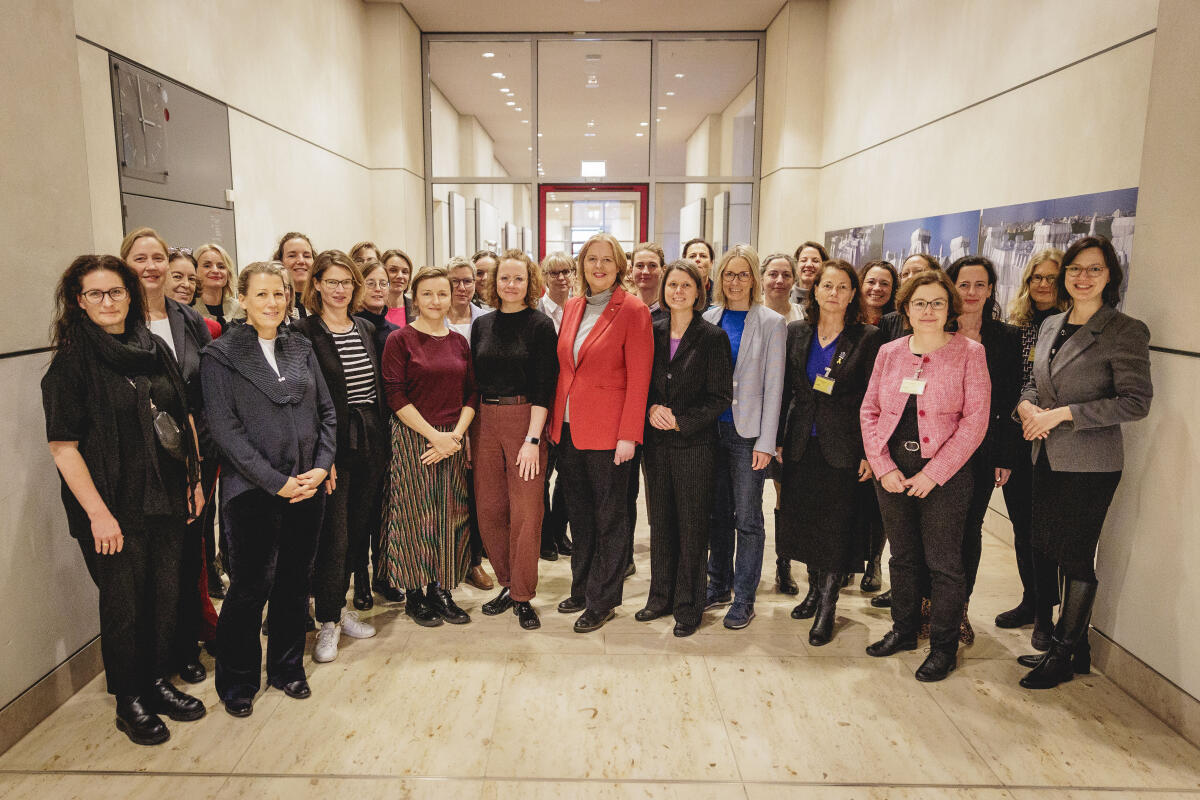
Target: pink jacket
[[952, 414]]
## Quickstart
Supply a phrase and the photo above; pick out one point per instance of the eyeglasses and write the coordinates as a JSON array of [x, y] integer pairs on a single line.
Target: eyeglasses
[[559, 273], [331, 284], [377, 284], [1094, 272], [95, 297], [829, 287], [1043, 278], [738, 277], [462, 281], [921, 305]]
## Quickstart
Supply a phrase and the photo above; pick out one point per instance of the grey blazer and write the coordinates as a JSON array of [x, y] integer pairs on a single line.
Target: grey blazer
[[758, 374], [1103, 374]]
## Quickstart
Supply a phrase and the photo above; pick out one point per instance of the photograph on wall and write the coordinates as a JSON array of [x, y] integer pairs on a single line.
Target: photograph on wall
[[947, 236], [856, 245], [1011, 235]]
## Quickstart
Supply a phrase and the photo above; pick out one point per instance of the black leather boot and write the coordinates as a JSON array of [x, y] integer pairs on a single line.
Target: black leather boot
[[872, 579], [363, 599], [164, 698], [216, 588], [822, 628], [808, 606], [137, 722], [1057, 667], [783, 577]]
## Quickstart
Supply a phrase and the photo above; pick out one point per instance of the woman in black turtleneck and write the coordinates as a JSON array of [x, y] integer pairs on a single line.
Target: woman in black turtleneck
[[1036, 300]]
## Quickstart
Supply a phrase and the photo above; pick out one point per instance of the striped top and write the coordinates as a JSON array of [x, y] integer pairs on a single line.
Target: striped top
[[356, 365]]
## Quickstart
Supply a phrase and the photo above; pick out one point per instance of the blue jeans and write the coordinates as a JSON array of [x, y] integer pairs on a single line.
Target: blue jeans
[[737, 505]]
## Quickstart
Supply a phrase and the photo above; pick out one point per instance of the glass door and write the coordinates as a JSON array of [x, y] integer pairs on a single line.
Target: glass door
[[569, 213]]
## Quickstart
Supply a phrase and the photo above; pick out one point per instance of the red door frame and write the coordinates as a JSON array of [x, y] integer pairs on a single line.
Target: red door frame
[[643, 190]]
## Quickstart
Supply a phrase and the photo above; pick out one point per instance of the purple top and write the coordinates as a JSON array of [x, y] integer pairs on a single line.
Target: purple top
[[432, 373], [674, 347]]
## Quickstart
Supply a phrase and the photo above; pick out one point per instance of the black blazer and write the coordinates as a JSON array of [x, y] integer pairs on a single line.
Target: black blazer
[[697, 384], [836, 414], [313, 327], [1002, 343]]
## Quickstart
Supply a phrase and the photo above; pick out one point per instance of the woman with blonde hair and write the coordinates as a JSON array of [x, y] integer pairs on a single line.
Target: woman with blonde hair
[[746, 433], [215, 299]]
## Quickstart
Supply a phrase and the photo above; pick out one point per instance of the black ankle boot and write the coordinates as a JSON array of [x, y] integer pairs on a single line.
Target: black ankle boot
[[164, 698], [872, 579], [363, 599], [822, 628], [783, 577], [808, 606], [137, 722], [1073, 619], [216, 588]]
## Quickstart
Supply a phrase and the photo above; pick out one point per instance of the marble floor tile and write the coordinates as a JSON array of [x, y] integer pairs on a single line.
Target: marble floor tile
[[82, 735], [839, 720], [1099, 794], [373, 788], [701, 643], [641, 717], [781, 792], [57, 786], [599, 790], [411, 713], [1084, 733]]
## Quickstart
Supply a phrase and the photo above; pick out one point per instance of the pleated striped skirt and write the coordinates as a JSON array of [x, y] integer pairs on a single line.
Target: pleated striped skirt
[[424, 515]]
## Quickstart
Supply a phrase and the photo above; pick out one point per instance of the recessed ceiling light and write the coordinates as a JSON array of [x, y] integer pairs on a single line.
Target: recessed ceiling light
[[662, 108], [505, 89], [489, 55], [517, 108], [658, 119], [499, 75], [592, 82], [530, 149], [510, 103], [511, 94], [589, 134], [639, 133], [539, 134], [644, 124], [591, 123], [670, 94], [678, 74], [524, 122]]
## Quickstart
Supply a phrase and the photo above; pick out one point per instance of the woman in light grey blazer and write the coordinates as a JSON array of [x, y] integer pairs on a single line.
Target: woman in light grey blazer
[[746, 434], [1091, 372]]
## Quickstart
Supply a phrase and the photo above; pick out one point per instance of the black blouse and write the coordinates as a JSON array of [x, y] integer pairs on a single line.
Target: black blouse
[[516, 354]]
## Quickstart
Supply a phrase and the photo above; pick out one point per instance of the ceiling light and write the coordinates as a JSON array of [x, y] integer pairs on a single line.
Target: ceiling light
[[658, 119], [524, 122], [489, 55], [499, 75], [511, 94], [592, 82], [589, 134], [662, 108], [510, 103], [530, 149], [505, 89], [591, 123], [639, 133], [678, 74], [644, 124], [670, 94], [517, 108], [539, 134], [592, 169]]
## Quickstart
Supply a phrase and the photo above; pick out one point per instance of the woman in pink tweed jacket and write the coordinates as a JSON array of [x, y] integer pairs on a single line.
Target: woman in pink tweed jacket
[[925, 412]]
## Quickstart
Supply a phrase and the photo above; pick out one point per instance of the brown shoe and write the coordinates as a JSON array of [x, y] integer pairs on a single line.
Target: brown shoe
[[478, 578], [966, 634]]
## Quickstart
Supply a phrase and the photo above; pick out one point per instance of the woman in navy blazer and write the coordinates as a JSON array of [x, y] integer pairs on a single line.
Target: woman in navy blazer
[[605, 351], [1091, 372], [274, 424], [830, 355], [747, 429], [692, 383]]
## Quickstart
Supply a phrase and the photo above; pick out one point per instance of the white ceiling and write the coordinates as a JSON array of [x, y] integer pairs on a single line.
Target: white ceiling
[[714, 72], [570, 16]]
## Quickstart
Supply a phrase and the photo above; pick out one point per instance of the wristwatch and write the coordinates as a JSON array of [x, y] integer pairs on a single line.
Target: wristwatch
[[532, 439]]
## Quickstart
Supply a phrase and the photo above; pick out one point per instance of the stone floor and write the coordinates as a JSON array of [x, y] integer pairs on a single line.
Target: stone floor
[[487, 710]]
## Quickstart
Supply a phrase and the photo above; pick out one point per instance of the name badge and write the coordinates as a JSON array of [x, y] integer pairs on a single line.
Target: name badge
[[1032, 350], [823, 384], [912, 386]]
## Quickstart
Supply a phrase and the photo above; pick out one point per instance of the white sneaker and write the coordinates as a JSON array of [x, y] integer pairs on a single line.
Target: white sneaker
[[354, 627], [327, 643]]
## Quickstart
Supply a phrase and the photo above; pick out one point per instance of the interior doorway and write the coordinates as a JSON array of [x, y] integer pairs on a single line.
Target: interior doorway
[[569, 213]]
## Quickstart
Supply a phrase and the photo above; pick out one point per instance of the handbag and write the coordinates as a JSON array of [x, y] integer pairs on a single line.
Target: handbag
[[166, 430]]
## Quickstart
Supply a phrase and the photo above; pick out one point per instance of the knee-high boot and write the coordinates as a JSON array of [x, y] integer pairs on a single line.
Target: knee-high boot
[[808, 606], [1056, 666], [822, 628]]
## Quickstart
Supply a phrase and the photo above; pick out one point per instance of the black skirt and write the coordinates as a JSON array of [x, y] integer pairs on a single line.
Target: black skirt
[[1069, 510], [817, 518]]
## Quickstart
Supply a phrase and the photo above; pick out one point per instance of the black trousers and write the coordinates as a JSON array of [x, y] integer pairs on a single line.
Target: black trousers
[[679, 497], [554, 517], [597, 506], [190, 616], [208, 480], [927, 532], [635, 488], [139, 604], [270, 548], [1038, 580], [983, 474]]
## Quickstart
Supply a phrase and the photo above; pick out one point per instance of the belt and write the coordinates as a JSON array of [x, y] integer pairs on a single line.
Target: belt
[[911, 446], [512, 400]]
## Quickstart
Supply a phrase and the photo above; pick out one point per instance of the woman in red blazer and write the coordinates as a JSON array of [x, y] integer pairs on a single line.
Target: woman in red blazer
[[925, 412], [605, 352]]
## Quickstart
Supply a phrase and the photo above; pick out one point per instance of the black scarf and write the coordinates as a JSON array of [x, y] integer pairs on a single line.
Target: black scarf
[[109, 364], [239, 350]]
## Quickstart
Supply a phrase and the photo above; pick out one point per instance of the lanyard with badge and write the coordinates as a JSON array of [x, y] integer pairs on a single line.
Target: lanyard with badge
[[914, 385], [824, 383]]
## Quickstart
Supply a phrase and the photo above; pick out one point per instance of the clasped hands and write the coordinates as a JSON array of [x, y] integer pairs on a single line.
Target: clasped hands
[[1036, 423], [303, 486]]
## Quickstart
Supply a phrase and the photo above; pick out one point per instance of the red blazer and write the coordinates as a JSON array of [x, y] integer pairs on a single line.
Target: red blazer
[[952, 414], [609, 384]]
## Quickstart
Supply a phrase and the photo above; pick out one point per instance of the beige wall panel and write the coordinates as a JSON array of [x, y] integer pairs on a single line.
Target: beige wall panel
[[101, 140], [297, 64], [787, 212], [393, 84], [990, 156], [398, 202], [284, 184], [1170, 194], [794, 90], [895, 65]]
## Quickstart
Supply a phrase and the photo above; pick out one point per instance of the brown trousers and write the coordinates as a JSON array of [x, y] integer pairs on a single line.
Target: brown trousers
[[509, 509]]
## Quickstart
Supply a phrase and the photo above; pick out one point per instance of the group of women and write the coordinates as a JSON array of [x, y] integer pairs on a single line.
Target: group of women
[[362, 414]]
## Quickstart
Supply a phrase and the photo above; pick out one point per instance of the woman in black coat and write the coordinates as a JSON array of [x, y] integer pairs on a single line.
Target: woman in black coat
[[119, 430], [690, 385], [830, 355], [345, 350], [274, 424]]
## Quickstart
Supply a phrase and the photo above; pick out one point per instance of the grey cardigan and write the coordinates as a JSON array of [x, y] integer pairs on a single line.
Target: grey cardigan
[[1103, 374], [758, 374]]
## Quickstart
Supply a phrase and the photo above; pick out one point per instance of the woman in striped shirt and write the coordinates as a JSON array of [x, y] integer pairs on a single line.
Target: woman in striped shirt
[[345, 350]]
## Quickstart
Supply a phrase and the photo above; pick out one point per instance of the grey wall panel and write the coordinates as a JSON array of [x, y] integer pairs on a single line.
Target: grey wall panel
[[173, 142], [181, 224]]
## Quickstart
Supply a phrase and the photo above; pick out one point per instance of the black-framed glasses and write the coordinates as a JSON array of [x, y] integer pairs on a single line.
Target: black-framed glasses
[[331, 284], [374, 284], [95, 297], [1094, 272]]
